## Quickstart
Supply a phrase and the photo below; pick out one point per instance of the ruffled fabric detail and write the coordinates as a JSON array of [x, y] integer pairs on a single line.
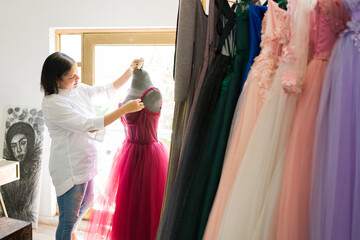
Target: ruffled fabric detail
[[271, 50], [289, 78], [354, 29], [290, 83], [353, 5]]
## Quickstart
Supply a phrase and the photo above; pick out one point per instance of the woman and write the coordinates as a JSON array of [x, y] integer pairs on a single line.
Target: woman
[[69, 117]]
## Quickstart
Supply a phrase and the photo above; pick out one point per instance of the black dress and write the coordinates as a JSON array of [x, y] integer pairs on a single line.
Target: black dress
[[204, 110]]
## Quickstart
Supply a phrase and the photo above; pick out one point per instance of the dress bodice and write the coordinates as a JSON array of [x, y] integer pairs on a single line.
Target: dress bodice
[[242, 24], [274, 34], [354, 8], [328, 19], [354, 25], [275, 31], [141, 127]]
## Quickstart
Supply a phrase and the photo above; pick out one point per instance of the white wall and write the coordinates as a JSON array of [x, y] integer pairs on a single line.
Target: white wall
[[25, 43]]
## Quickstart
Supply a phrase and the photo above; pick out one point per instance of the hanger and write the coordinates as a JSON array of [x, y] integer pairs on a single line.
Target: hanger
[[256, 2]]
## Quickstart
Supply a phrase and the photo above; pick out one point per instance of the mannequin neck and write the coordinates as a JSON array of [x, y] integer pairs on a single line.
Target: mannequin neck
[[140, 82]]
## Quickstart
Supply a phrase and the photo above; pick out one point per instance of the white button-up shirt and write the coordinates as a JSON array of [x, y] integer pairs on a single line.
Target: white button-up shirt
[[69, 117]]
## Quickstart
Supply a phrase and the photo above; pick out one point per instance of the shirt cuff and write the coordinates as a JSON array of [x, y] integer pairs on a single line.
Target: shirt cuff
[[99, 122], [110, 90], [99, 135]]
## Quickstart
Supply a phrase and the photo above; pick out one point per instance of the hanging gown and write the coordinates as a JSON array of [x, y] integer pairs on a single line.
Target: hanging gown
[[328, 20], [335, 192], [191, 36], [198, 125], [202, 189], [255, 191], [131, 204], [256, 15], [275, 33]]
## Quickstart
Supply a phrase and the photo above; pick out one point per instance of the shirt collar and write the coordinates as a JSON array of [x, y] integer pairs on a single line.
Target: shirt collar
[[64, 92]]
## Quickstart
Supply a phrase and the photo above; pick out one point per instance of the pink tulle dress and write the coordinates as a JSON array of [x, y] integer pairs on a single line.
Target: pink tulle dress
[[292, 220], [275, 34], [253, 198], [130, 208]]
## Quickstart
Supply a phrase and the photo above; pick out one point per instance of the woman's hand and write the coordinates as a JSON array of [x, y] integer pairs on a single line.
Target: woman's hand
[[133, 106], [137, 64], [128, 73]]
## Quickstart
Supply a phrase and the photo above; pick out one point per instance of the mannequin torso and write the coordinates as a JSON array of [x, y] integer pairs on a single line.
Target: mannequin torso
[[140, 83]]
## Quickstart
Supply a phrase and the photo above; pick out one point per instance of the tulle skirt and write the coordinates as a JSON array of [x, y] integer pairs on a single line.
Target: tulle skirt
[[335, 194], [131, 204], [246, 113], [193, 145], [292, 218], [255, 191]]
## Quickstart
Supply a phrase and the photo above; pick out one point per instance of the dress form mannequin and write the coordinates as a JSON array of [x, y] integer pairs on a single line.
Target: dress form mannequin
[[140, 83], [141, 160]]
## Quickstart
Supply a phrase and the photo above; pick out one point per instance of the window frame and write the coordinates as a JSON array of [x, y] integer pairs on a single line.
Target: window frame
[[92, 37]]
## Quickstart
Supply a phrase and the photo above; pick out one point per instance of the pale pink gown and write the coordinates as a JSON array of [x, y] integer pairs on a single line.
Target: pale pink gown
[[292, 219], [255, 192], [275, 34]]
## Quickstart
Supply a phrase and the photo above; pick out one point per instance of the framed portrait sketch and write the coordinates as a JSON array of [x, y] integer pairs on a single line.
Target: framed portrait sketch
[[24, 135]]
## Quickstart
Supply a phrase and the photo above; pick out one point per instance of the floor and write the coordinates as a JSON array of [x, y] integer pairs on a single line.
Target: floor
[[47, 232]]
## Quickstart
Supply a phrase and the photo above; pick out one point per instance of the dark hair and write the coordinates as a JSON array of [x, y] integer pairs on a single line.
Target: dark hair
[[21, 128], [55, 67]]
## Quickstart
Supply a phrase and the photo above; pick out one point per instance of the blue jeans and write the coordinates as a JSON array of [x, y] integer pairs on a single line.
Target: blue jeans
[[72, 207]]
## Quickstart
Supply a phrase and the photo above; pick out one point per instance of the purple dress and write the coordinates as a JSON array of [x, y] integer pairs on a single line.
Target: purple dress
[[335, 196]]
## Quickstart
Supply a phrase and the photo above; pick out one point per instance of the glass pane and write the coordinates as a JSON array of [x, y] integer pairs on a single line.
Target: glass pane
[[110, 63], [71, 45]]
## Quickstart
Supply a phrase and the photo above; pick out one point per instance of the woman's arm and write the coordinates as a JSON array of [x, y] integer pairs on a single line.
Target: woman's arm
[[62, 114], [126, 75], [59, 112], [131, 106]]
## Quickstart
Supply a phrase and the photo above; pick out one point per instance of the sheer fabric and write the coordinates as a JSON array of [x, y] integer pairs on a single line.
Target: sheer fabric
[[203, 110], [335, 192], [210, 153], [130, 206], [293, 208], [253, 198], [188, 65], [275, 33]]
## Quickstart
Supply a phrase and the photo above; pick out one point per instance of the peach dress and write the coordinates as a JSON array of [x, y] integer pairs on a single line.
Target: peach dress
[[292, 219], [255, 192], [275, 34]]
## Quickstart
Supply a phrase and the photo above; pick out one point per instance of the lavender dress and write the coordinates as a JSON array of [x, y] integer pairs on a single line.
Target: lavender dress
[[335, 197]]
